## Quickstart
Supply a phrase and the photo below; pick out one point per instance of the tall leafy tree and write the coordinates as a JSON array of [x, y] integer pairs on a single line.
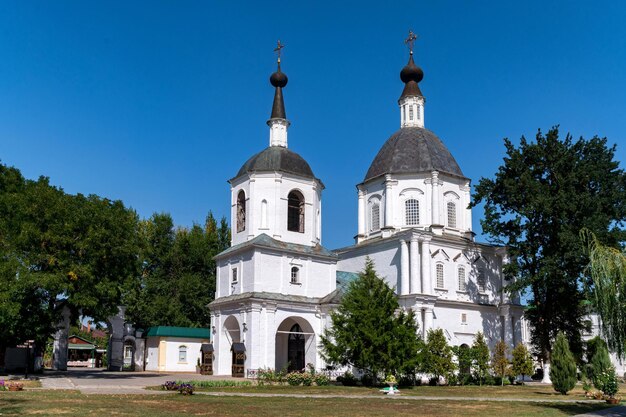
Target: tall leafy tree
[[59, 250], [539, 200], [607, 266], [522, 363], [500, 361], [369, 330], [480, 358], [436, 356], [177, 278]]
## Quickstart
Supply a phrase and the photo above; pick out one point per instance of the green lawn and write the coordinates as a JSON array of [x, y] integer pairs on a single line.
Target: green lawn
[[72, 403], [540, 392]]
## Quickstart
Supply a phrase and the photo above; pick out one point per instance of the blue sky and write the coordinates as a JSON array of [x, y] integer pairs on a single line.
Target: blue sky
[[158, 103]]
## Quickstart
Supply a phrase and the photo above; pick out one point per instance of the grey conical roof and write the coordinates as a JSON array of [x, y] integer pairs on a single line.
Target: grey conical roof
[[413, 150]]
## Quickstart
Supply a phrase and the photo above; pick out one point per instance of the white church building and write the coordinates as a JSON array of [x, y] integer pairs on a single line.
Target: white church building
[[277, 284]]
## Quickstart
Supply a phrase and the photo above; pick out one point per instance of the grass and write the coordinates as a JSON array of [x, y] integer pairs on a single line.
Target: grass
[[72, 403], [536, 392]]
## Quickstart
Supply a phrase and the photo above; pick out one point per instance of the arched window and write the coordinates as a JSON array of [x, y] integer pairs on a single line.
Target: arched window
[[482, 283], [295, 212], [412, 212], [451, 214], [264, 214], [241, 211], [461, 276], [439, 270], [182, 353], [295, 275], [375, 217]]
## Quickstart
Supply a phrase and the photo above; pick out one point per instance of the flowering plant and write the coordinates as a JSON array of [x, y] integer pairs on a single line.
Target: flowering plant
[[170, 386], [2, 385], [608, 383], [390, 379], [185, 389]]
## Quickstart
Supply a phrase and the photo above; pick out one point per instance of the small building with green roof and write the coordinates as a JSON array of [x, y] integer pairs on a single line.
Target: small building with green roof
[[175, 349]]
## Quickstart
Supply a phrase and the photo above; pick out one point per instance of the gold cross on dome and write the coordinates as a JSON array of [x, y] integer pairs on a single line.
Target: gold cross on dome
[[410, 40], [278, 49]]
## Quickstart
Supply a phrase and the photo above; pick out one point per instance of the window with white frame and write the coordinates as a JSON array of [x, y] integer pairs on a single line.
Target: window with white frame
[[463, 318], [235, 277], [410, 112], [182, 353], [375, 217], [295, 275], [439, 273], [412, 212], [461, 279], [451, 206], [481, 281]]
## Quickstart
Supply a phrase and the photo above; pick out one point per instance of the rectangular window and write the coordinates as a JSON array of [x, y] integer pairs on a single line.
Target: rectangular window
[[412, 212], [375, 220], [439, 276], [411, 113], [182, 354], [482, 283], [451, 214], [235, 277], [463, 318], [462, 283]]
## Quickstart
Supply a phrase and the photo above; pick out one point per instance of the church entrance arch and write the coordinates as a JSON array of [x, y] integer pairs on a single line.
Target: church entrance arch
[[295, 344], [232, 331]]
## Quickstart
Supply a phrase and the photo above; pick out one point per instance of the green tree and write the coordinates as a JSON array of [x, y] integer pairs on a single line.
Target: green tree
[[480, 358], [464, 358], [436, 356], [59, 250], [600, 363], [563, 365], [500, 361], [369, 330], [522, 363], [541, 197], [177, 278], [607, 266], [591, 347]]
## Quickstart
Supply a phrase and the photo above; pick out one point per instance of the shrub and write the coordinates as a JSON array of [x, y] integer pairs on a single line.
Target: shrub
[[270, 376], [294, 378], [367, 380], [563, 366], [214, 384], [434, 381], [407, 380], [307, 379], [2, 385], [607, 383], [321, 380], [600, 364], [347, 379]]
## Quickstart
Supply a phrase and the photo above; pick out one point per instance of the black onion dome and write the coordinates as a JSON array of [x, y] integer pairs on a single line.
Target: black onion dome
[[279, 79], [412, 150], [277, 158], [411, 75]]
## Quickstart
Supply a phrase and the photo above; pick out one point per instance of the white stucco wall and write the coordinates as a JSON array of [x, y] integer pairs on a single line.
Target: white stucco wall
[[168, 360], [273, 188]]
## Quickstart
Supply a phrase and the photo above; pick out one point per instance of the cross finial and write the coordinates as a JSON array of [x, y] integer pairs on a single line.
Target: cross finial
[[279, 47], [410, 40]]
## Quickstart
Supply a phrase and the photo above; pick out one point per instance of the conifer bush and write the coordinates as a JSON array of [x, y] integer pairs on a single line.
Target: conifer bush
[[562, 366], [600, 364]]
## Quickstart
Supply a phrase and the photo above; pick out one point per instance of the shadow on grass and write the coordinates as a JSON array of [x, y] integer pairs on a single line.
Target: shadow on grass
[[12, 405], [576, 408]]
